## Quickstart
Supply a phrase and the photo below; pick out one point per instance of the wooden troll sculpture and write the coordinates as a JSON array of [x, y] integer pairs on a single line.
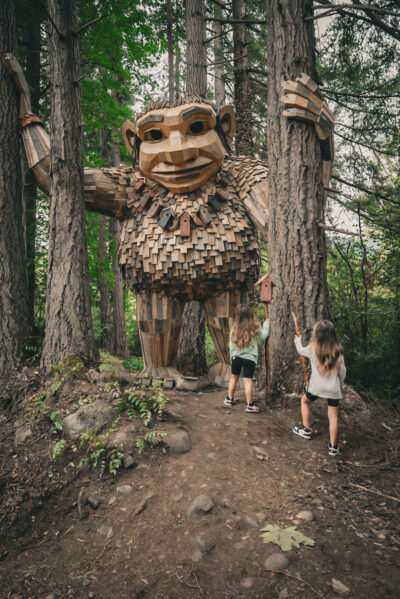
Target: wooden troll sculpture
[[189, 212]]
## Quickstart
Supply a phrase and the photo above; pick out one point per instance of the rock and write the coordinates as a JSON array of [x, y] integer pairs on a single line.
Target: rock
[[305, 516], [204, 542], [259, 451], [129, 461], [197, 555], [202, 503], [119, 438], [246, 583], [316, 501], [83, 505], [276, 561], [260, 517], [177, 497], [178, 442], [339, 587], [105, 531], [283, 594], [251, 521], [90, 416], [94, 376], [125, 489], [22, 434], [51, 596], [113, 499]]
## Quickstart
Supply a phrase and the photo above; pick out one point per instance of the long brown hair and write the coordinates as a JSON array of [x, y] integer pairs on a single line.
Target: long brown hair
[[327, 347], [245, 326]]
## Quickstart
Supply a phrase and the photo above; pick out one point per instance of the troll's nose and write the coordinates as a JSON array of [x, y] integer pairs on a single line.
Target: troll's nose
[[178, 150]]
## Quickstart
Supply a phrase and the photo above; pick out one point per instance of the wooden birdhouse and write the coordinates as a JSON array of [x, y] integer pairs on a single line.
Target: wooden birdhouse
[[266, 285]]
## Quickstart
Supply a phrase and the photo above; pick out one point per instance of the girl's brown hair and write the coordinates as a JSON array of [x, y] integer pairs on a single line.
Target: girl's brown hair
[[327, 347], [245, 326]]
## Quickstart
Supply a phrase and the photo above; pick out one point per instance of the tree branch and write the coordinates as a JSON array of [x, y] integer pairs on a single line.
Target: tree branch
[[365, 190], [91, 23]]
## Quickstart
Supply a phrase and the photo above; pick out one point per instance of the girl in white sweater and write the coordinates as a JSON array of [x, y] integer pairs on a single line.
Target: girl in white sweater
[[328, 371]]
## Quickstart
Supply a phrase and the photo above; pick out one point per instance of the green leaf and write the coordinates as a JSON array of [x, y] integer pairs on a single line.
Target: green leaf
[[286, 538]]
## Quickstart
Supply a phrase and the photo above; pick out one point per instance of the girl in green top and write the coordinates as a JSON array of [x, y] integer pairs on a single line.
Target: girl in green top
[[244, 353]]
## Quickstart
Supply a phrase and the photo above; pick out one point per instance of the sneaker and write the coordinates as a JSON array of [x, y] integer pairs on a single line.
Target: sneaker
[[333, 449], [302, 431], [251, 407], [228, 401]]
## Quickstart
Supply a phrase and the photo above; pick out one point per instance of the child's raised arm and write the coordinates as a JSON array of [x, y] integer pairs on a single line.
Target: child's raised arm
[[303, 351], [342, 371], [264, 333]]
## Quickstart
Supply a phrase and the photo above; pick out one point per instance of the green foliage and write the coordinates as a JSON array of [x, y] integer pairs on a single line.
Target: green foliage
[[144, 403], [286, 538], [58, 449], [133, 363], [152, 438]]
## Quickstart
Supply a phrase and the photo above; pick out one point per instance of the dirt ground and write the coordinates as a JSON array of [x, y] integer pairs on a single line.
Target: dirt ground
[[143, 541]]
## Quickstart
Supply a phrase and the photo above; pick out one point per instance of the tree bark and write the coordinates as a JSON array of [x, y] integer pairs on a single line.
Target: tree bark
[[68, 329], [103, 281], [191, 356], [170, 41], [120, 342], [219, 82], [33, 45], [244, 142], [13, 275], [196, 55], [296, 244]]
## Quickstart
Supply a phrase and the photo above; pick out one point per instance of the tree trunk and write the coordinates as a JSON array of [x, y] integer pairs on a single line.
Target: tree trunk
[[219, 82], [13, 275], [244, 142], [296, 244], [196, 55], [69, 329], [120, 343], [103, 280], [191, 356], [33, 45], [170, 41], [103, 283]]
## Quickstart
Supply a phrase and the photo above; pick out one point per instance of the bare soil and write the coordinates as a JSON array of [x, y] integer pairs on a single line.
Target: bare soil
[[141, 542]]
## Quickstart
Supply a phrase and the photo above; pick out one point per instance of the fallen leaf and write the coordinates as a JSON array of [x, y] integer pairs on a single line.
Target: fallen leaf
[[286, 538]]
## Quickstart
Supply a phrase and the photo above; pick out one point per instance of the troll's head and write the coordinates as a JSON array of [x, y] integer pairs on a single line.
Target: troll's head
[[181, 144]]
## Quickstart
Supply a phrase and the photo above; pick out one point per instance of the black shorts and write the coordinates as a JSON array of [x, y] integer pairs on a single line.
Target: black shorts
[[331, 402], [247, 365]]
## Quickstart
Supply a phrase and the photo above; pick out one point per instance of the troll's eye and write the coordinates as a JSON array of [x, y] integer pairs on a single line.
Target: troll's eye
[[197, 127], [153, 135]]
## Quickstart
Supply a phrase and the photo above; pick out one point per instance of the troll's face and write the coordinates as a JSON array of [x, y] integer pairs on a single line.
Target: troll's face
[[181, 147]]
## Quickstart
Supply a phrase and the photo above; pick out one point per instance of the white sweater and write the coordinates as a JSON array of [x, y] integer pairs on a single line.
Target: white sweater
[[320, 385]]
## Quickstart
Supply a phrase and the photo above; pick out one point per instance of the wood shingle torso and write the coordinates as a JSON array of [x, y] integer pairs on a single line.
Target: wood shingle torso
[[218, 250]]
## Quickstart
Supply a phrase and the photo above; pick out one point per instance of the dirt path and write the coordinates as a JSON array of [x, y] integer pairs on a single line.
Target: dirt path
[[142, 541]]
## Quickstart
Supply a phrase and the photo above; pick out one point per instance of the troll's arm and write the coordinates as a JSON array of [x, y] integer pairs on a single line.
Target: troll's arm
[[100, 189]]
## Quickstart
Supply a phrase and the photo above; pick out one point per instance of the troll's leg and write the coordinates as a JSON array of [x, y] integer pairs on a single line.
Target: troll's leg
[[159, 321]]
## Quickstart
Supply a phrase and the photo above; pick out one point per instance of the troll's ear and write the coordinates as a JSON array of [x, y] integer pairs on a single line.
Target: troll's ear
[[128, 133], [227, 118]]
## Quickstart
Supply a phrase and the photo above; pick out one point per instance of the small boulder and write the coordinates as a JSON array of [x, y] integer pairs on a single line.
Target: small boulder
[[202, 503], [22, 434], [339, 587], [125, 489], [90, 416], [178, 442], [276, 561], [305, 516]]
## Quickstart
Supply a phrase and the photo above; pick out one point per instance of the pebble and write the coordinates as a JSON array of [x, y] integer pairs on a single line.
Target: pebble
[[305, 516], [178, 497], [105, 531], [284, 594], [125, 489], [113, 499], [276, 561], [246, 583], [129, 461], [339, 587], [202, 503]]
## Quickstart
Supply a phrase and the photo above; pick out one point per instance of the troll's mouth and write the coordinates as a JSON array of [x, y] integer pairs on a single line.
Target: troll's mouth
[[187, 172]]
